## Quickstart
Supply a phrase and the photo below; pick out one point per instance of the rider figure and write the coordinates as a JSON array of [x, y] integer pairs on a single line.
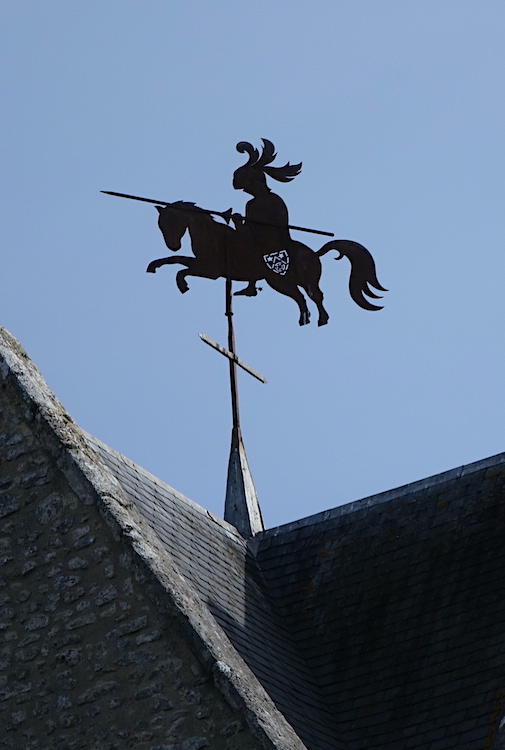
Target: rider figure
[[265, 227]]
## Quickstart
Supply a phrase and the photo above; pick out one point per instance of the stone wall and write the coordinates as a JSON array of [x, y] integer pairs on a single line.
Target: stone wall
[[89, 655]]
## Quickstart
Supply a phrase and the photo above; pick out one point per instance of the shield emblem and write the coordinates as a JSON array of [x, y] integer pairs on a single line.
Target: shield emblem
[[277, 262]]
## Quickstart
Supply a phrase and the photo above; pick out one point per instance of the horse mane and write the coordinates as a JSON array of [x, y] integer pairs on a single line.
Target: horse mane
[[188, 205]]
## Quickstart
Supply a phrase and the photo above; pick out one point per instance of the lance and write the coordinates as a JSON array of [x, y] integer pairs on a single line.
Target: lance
[[226, 215]]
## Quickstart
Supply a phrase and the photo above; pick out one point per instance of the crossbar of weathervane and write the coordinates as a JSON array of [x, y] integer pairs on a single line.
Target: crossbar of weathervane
[[226, 215], [232, 357]]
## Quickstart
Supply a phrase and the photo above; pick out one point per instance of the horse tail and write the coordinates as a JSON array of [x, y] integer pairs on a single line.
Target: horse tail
[[363, 273]]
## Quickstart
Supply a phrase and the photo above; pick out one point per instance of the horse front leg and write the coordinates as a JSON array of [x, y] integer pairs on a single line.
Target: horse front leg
[[180, 280], [193, 270], [155, 264]]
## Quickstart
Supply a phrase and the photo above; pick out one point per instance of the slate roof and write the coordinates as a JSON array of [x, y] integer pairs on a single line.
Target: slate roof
[[388, 616], [218, 562], [397, 603]]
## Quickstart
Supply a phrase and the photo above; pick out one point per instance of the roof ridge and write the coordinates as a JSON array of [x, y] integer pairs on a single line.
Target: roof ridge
[[382, 497]]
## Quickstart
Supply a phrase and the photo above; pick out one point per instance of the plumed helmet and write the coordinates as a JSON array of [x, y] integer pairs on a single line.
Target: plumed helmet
[[261, 163]]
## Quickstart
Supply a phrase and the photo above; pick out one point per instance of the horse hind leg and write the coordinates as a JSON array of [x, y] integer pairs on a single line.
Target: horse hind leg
[[282, 285], [304, 318], [317, 297], [307, 275]]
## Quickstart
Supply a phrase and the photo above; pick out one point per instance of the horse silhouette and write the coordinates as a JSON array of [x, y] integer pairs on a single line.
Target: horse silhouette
[[221, 251]]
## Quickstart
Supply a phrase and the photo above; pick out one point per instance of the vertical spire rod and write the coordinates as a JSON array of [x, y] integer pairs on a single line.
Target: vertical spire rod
[[233, 365], [241, 508]]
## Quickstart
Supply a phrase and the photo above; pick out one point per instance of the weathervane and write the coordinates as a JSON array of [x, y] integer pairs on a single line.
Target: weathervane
[[258, 247]]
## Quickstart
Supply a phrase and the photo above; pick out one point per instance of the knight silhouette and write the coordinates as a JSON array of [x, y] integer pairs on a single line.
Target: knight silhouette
[[265, 225], [260, 246]]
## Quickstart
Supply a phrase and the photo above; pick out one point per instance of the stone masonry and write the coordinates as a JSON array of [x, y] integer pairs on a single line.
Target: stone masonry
[[94, 650], [86, 660]]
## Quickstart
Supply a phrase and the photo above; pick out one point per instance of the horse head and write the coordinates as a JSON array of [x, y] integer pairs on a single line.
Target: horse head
[[173, 224]]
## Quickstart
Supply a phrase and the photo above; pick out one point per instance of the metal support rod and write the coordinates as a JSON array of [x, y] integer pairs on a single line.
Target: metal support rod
[[241, 507], [232, 362]]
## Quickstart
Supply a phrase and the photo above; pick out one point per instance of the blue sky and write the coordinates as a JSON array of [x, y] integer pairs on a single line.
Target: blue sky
[[396, 110]]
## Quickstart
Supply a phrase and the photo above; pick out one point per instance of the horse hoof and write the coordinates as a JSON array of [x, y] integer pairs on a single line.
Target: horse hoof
[[151, 268]]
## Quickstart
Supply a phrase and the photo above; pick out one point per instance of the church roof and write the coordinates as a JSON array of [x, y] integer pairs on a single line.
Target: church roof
[[396, 603], [377, 624]]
